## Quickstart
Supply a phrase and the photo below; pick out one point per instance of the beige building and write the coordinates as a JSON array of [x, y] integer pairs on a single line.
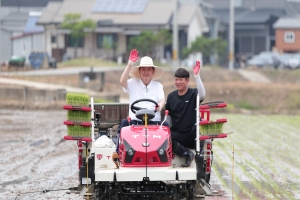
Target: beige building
[[117, 22]]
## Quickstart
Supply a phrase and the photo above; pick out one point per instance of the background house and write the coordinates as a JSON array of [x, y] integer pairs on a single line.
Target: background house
[[118, 21], [253, 23], [254, 31], [31, 39], [288, 34], [14, 16], [11, 26]]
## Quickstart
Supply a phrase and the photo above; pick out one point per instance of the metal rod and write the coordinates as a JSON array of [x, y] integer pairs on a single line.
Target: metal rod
[[146, 134], [87, 168], [175, 37], [231, 36], [93, 123], [232, 186], [197, 125], [0, 37]]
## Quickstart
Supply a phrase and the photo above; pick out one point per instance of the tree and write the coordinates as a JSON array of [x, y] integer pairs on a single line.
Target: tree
[[207, 46], [73, 22], [148, 41]]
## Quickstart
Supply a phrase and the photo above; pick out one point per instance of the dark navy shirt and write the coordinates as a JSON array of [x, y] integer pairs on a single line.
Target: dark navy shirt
[[182, 110]]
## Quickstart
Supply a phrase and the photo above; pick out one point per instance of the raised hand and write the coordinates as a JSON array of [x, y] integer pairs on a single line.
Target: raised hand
[[197, 67], [133, 57]]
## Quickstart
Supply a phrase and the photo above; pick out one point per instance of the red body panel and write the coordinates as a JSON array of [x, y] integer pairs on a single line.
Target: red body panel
[[137, 137]]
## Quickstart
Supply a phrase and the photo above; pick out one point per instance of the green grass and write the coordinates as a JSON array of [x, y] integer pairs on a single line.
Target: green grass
[[91, 62], [77, 99], [245, 105], [79, 131], [294, 101], [94, 62], [96, 100], [79, 116]]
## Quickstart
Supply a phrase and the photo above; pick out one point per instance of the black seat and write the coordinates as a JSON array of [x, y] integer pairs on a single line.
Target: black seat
[[140, 114]]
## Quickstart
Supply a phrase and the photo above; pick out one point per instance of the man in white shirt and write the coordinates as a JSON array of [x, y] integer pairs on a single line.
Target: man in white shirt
[[142, 85]]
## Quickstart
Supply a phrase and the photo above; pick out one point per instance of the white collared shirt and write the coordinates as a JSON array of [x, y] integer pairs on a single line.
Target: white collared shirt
[[136, 89]]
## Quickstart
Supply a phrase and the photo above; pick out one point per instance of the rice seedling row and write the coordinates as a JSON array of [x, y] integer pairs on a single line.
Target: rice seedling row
[[263, 158]]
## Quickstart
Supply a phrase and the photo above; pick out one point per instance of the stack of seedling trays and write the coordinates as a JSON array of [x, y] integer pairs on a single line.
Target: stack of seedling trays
[[79, 117], [210, 129]]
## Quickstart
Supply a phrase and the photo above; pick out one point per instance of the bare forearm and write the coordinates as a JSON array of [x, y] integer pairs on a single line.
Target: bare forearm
[[124, 77], [161, 104]]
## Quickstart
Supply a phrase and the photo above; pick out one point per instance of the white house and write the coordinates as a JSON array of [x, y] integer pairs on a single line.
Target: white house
[[13, 19], [31, 39]]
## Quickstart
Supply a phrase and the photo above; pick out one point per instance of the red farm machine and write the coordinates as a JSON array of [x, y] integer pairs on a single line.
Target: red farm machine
[[145, 167]]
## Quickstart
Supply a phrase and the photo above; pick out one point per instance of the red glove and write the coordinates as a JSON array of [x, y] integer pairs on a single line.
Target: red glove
[[133, 57], [197, 67]]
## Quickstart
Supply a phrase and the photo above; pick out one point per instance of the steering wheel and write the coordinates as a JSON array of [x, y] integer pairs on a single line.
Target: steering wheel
[[134, 108]]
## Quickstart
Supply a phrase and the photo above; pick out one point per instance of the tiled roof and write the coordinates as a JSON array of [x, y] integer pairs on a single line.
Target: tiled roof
[[26, 3], [16, 16], [31, 26], [248, 16], [157, 12], [287, 22]]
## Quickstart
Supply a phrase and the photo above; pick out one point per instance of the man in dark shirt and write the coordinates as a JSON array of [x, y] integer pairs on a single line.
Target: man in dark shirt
[[181, 105]]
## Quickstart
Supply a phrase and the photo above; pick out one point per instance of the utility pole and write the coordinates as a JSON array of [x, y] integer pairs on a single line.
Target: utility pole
[[231, 36], [175, 37], [0, 35]]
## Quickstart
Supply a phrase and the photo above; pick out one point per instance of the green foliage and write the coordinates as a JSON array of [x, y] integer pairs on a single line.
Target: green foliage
[[79, 131], [77, 99], [245, 105], [147, 41], [73, 22], [211, 129], [81, 116], [207, 46]]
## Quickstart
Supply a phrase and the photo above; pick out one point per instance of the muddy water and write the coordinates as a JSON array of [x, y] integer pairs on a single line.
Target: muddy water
[[34, 156]]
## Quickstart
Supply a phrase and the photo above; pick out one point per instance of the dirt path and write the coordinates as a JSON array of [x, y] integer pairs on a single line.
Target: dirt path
[[253, 76]]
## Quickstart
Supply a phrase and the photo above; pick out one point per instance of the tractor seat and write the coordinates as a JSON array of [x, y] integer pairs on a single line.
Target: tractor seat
[[140, 114]]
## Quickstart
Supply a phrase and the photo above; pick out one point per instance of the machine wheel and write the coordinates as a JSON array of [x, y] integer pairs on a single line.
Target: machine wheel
[[192, 194], [207, 178], [100, 195]]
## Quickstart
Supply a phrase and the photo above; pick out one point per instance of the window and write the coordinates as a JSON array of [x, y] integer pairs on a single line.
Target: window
[[53, 39], [71, 42], [289, 37], [106, 41]]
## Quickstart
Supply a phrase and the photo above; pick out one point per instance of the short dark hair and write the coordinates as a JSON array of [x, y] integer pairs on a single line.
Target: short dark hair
[[182, 73]]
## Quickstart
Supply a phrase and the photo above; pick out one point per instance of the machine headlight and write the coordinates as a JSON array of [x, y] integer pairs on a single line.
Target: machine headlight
[[130, 151], [161, 151]]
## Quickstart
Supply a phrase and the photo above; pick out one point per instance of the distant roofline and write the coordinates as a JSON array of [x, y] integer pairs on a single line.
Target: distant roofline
[[26, 3], [25, 34]]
